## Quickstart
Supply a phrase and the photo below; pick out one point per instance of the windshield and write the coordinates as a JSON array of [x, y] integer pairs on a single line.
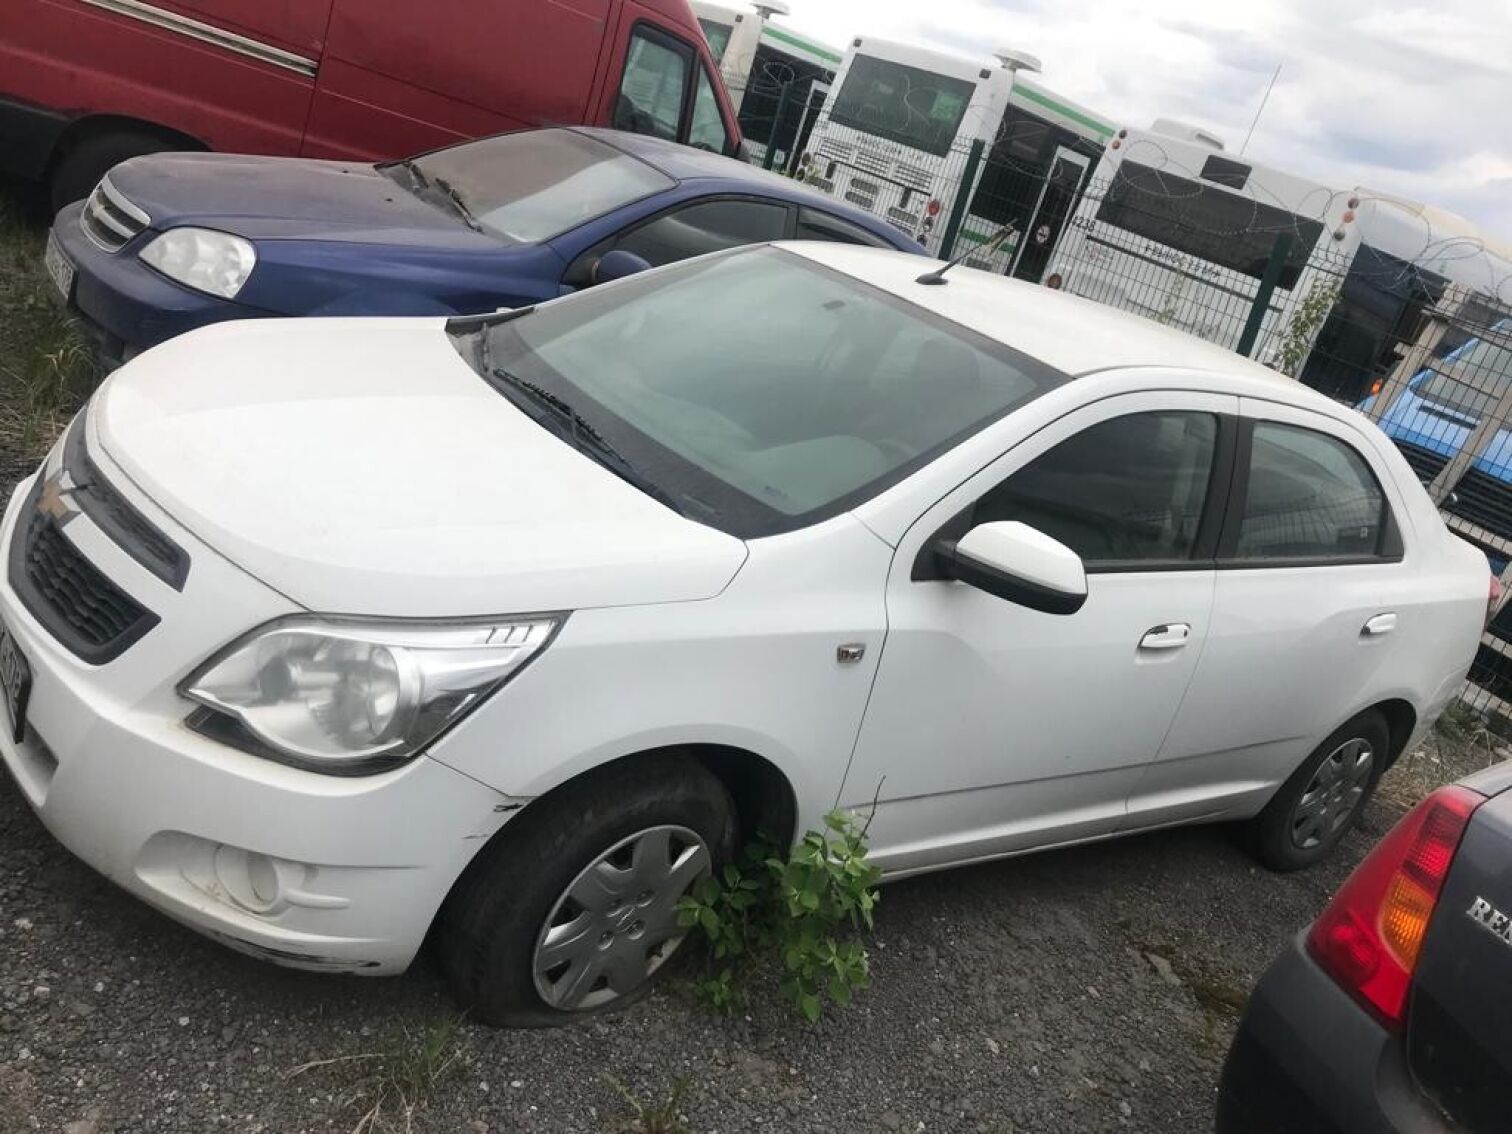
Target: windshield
[[757, 391], [533, 186], [1210, 223], [1472, 379], [904, 104]]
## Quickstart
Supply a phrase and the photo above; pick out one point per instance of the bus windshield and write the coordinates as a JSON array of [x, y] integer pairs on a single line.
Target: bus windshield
[[903, 104], [1206, 221]]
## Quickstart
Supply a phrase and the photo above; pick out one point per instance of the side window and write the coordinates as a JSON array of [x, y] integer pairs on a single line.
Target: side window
[[708, 129], [1310, 496], [814, 225], [654, 87], [1128, 489], [707, 227]]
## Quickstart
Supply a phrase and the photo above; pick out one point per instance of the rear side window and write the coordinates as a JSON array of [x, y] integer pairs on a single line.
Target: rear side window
[[710, 226], [1309, 496], [654, 87], [814, 225], [1126, 490]]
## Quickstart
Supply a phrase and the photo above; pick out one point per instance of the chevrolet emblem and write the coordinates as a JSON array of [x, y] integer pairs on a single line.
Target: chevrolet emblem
[[54, 500]]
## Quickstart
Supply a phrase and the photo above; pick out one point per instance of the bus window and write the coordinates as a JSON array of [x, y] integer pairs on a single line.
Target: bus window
[[718, 36], [1206, 222], [903, 104], [654, 87]]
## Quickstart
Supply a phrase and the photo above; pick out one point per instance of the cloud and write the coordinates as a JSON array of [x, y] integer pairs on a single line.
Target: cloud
[[1405, 97]]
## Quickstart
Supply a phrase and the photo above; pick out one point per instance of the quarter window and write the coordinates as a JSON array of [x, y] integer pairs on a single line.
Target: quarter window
[[1309, 496], [1129, 489], [708, 131], [711, 226], [814, 225], [654, 88]]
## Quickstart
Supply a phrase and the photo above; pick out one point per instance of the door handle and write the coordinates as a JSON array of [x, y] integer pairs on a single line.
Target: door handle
[[1379, 625], [1170, 636]]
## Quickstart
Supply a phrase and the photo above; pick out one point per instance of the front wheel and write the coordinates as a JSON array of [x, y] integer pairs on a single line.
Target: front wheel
[[1315, 808], [573, 909]]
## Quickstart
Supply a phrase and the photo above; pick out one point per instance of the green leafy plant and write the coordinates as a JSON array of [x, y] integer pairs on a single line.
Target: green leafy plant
[[801, 909], [1295, 343]]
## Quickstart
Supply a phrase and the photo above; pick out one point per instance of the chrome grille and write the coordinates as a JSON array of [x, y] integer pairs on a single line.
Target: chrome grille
[[870, 188], [109, 219], [873, 163], [902, 216], [914, 176], [862, 200]]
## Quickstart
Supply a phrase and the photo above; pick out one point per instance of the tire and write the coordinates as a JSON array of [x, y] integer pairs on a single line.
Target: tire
[[523, 883], [82, 165], [1335, 782]]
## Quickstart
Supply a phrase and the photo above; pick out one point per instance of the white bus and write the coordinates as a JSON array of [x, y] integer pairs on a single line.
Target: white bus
[[1407, 256], [895, 137], [1176, 229], [758, 59]]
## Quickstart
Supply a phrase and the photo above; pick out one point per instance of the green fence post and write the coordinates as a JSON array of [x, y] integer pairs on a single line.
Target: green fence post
[[1268, 282], [782, 101], [958, 210]]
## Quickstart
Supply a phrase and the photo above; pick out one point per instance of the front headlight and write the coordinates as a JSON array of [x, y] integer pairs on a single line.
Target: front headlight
[[360, 697], [201, 258]]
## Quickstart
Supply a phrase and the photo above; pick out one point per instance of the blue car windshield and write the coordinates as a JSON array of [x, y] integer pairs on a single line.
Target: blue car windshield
[[529, 187]]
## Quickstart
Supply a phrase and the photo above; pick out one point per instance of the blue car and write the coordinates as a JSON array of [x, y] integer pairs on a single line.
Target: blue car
[[1433, 418], [170, 242]]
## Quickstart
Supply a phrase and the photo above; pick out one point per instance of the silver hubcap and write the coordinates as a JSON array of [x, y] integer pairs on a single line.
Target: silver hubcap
[[1333, 794], [616, 923]]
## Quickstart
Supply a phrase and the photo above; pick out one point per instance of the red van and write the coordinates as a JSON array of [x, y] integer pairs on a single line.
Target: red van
[[87, 83]]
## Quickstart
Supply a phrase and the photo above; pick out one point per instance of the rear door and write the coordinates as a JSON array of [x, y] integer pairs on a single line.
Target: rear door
[[1316, 607], [398, 79], [1462, 988]]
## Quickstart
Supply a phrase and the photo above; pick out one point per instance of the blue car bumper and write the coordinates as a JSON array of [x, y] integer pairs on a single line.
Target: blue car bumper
[[124, 305]]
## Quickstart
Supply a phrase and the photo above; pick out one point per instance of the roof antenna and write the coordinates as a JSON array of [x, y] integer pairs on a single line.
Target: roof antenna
[[938, 275]]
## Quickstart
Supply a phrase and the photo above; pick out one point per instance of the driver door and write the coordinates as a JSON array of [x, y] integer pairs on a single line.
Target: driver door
[[994, 728]]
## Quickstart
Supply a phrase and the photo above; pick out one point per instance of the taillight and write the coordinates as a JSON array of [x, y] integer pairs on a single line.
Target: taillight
[[1493, 599], [1369, 937], [1375, 387], [933, 208]]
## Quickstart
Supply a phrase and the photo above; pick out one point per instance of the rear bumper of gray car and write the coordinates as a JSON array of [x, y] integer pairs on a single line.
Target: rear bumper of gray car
[[1309, 1060]]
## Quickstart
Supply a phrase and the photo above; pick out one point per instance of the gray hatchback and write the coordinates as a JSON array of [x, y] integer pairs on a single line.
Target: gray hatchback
[[1390, 1013]]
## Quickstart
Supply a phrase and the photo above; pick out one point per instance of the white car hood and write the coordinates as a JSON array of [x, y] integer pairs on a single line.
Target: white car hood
[[360, 466]]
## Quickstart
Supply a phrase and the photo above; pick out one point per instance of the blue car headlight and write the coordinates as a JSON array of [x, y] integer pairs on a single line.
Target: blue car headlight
[[216, 263]]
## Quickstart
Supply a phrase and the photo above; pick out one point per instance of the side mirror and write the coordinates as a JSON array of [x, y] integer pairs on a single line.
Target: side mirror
[[616, 265], [1018, 563]]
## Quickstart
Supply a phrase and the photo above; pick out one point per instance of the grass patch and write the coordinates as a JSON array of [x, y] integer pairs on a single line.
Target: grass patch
[[664, 1117], [46, 367], [386, 1088]]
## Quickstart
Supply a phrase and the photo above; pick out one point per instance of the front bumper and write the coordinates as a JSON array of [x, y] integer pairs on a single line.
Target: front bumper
[[124, 306], [1308, 1060], [308, 870]]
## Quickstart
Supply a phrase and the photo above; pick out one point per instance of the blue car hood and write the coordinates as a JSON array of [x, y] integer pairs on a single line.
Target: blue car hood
[[264, 198]]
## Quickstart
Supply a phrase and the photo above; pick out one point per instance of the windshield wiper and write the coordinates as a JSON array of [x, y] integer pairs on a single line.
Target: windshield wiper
[[416, 172], [450, 192], [587, 438]]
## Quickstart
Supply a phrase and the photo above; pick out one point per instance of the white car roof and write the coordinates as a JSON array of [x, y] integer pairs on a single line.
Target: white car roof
[[1071, 334]]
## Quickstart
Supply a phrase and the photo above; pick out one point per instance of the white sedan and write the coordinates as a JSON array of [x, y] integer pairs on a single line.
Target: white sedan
[[320, 634]]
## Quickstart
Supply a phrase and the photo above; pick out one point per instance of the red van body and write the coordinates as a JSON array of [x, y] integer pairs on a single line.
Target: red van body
[[87, 83]]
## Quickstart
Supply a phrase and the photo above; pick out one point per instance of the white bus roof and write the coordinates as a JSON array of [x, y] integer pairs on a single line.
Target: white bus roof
[[723, 13], [1264, 183], [805, 47], [1035, 96], [925, 58]]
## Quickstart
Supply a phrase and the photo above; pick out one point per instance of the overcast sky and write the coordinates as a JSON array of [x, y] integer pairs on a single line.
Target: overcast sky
[[1410, 99]]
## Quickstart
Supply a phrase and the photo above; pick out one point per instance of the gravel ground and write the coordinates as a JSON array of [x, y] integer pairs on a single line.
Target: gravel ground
[[1084, 990]]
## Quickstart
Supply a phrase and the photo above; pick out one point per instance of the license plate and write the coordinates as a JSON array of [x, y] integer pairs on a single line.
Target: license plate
[[58, 267], [15, 683]]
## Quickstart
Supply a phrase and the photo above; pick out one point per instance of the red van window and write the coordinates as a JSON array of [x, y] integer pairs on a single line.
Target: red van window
[[708, 129], [654, 89]]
